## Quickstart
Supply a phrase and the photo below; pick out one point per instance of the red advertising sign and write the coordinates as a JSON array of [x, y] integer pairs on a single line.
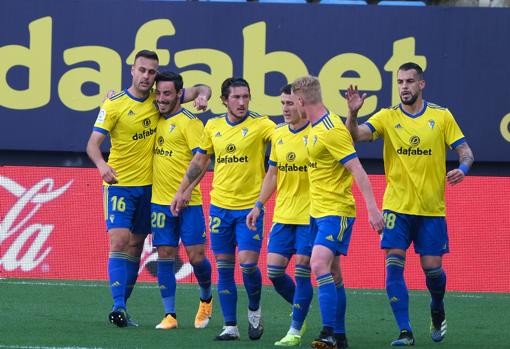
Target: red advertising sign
[[52, 226]]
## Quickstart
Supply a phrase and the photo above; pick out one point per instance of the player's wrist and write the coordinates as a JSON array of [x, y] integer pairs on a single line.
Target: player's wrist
[[464, 168], [259, 204]]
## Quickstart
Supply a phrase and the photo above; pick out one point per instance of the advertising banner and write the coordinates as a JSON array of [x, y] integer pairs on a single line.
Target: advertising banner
[[59, 58], [52, 226]]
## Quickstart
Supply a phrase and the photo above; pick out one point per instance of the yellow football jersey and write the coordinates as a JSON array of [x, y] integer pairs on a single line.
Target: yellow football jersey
[[288, 154], [415, 157], [330, 146], [131, 123], [239, 149], [177, 138]]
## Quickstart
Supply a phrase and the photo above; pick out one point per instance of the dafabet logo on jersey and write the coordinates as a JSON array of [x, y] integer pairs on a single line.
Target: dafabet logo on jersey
[[229, 159], [411, 151]]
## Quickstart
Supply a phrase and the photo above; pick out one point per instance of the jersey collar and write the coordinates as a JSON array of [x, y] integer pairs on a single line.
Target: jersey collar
[[174, 114], [134, 98], [236, 122], [414, 116], [299, 129], [322, 118]]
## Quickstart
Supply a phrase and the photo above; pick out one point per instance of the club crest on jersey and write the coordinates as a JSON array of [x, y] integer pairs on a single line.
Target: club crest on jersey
[[218, 134], [432, 123], [305, 140], [314, 140], [244, 131], [112, 218], [172, 127]]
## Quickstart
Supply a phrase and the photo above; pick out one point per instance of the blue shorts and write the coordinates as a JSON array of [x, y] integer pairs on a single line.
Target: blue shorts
[[333, 232], [228, 230], [429, 234], [290, 239], [189, 226], [128, 207]]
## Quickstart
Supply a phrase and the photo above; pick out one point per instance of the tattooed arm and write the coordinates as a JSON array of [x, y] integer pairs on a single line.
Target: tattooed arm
[[196, 170], [465, 161]]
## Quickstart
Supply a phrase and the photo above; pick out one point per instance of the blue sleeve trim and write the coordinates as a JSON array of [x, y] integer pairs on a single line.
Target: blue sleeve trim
[[348, 157], [372, 128], [200, 150], [271, 163], [458, 142], [194, 150], [100, 130]]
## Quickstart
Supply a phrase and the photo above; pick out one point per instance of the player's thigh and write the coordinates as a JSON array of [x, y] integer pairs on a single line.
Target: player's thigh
[[303, 241], [431, 236], [334, 232], [119, 205], [222, 231], [192, 226], [247, 239], [398, 230], [142, 215], [165, 227], [281, 240]]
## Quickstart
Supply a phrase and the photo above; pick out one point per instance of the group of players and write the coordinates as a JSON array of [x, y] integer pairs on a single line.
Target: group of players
[[160, 151]]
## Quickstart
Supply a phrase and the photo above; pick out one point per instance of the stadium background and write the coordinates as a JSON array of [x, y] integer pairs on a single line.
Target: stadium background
[[59, 58]]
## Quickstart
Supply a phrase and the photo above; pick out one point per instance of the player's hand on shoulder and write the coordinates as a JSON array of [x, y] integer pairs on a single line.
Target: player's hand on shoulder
[[200, 103], [455, 176]]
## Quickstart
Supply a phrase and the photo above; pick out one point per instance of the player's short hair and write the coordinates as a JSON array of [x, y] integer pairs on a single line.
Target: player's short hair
[[309, 88], [147, 54], [287, 89], [171, 76], [410, 65], [233, 82]]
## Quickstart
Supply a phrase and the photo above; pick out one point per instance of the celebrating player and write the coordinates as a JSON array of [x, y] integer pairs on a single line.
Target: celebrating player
[[333, 164], [238, 140], [415, 134], [290, 233]]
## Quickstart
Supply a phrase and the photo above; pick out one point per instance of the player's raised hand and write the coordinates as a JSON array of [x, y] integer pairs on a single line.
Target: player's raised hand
[[455, 176], [354, 99], [251, 218], [200, 103], [107, 173]]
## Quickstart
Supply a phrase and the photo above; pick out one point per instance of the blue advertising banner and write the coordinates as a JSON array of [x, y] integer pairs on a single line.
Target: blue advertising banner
[[59, 58]]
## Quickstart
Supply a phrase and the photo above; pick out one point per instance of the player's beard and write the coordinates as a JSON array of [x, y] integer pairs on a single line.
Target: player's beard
[[409, 101], [170, 106]]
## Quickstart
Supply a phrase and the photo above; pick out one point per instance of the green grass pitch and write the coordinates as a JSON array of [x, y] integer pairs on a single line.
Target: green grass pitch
[[42, 314]]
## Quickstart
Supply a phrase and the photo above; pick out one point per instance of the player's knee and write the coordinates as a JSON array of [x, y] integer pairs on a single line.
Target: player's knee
[[319, 267]]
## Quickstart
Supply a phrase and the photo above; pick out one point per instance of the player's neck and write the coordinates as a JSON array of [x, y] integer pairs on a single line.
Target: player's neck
[[299, 125], [137, 93], [233, 119], [414, 108], [315, 112], [174, 111]]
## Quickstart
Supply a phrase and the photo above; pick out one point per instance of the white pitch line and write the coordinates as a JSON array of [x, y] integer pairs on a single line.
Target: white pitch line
[[192, 286]]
